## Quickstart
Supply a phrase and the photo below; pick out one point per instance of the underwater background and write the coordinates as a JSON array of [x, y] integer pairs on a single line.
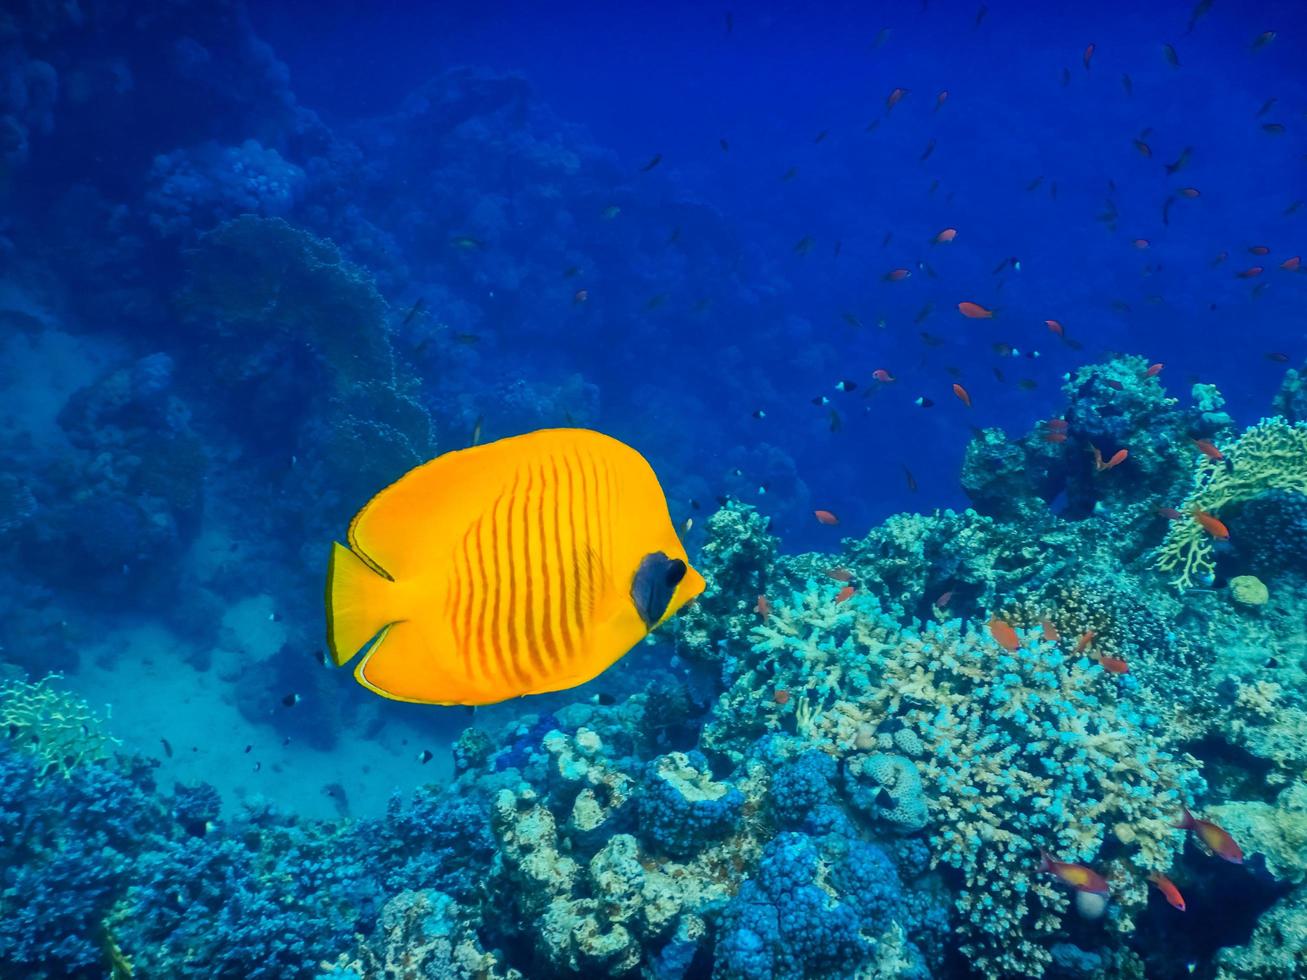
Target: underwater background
[[967, 341]]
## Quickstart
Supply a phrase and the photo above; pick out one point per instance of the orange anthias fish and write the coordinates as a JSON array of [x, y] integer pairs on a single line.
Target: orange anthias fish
[[962, 394], [781, 696], [825, 517], [883, 376], [1113, 665], [1212, 525], [1117, 459], [897, 275], [944, 599], [841, 574], [1208, 449], [947, 235], [1291, 264], [1086, 638], [893, 99], [1079, 877], [845, 594], [1050, 631], [1088, 56], [763, 608], [1218, 841], [1154, 370], [1055, 327], [462, 582], [1249, 273], [1168, 889], [1004, 635], [974, 311]]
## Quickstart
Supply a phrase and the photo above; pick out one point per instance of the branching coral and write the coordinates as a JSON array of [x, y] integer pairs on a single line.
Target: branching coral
[[1028, 748], [1271, 455]]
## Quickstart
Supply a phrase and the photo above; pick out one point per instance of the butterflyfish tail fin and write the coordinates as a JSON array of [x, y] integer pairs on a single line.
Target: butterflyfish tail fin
[[359, 603]]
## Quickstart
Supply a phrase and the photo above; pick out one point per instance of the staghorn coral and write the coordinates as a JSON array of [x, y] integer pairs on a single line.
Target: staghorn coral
[[1271, 455]]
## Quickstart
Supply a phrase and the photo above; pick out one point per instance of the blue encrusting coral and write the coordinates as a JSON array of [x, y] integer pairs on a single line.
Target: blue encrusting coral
[[989, 603]]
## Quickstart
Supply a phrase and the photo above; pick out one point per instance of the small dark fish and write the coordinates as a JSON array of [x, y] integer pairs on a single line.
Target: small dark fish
[[790, 174], [759, 414], [248, 749], [980, 15], [1172, 58], [675, 236], [846, 385], [1200, 9], [1263, 39], [1293, 208], [1035, 183], [924, 402], [571, 270], [466, 243], [851, 319], [1166, 209], [605, 699], [1126, 84], [835, 422], [881, 37], [889, 237], [336, 793], [930, 148], [1266, 107], [804, 245], [1027, 384], [425, 756], [724, 144], [923, 313], [467, 339], [1066, 77], [476, 432], [167, 747], [930, 340], [1275, 128], [911, 480], [414, 311], [1271, 663], [873, 125], [730, 22], [821, 136], [1181, 161], [1277, 357], [290, 700], [258, 766], [656, 301]]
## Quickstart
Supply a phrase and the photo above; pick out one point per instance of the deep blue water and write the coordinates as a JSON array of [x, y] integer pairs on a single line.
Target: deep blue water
[[688, 226]]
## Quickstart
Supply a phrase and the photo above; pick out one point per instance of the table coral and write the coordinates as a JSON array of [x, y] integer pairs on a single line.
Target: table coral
[[57, 728], [1271, 455]]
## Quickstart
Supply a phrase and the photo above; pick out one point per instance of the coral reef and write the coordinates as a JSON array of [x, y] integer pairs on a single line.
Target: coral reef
[[1270, 456]]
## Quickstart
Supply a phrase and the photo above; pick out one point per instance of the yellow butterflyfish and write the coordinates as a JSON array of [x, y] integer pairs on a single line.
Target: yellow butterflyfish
[[524, 565]]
